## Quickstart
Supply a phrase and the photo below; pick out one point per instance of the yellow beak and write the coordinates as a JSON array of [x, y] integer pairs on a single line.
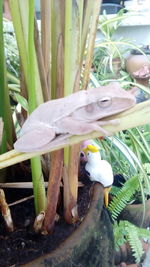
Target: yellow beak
[[106, 195]]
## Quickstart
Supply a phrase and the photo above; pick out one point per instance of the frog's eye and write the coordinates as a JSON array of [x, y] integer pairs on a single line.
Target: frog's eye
[[104, 102]]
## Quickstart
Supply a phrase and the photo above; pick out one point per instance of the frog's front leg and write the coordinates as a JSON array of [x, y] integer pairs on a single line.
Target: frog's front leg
[[107, 122], [75, 127]]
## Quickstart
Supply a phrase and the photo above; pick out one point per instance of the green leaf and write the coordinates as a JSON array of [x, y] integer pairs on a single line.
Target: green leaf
[[134, 241], [140, 145], [5, 111], [22, 101], [123, 196]]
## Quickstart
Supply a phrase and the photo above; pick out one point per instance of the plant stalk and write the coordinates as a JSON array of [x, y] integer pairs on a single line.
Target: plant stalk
[[37, 176]]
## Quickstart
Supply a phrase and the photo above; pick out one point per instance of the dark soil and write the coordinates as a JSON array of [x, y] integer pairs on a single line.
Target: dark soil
[[24, 245]]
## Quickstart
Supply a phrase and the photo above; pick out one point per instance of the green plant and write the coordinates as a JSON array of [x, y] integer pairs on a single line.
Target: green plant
[[125, 231], [109, 54], [125, 159], [125, 162], [11, 50], [5, 111], [108, 28], [45, 79], [51, 64], [123, 196]]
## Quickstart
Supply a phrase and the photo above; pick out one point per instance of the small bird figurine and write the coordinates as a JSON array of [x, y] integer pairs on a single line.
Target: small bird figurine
[[99, 170]]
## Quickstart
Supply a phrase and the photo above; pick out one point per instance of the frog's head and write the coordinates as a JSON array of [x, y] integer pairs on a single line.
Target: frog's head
[[111, 99], [107, 100]]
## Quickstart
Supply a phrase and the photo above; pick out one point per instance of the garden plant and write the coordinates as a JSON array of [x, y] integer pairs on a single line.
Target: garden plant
[[55, 59]]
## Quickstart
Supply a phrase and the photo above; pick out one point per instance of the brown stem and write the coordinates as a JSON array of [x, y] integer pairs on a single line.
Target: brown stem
[[24, 93], [24, 185], [46, 39], [53, 189], [71, 185], [91, 42], [42, 72], [6, 211], [7, 13], [60, 68]]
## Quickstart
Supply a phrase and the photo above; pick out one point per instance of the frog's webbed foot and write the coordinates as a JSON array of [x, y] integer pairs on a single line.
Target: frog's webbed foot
[[35, 139], [107, 122], [101, 130]]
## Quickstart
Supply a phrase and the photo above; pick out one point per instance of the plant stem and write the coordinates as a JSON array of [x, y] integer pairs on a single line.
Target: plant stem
[[72, 70], [46, 42], [91, 42], [53, 189], [31, 60], [37, 176], [5, 111], [38, 185]]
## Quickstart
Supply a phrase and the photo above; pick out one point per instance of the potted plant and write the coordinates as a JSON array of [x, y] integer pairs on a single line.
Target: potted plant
[[51, 66], [110, 53], [129, 206], [48, 61]]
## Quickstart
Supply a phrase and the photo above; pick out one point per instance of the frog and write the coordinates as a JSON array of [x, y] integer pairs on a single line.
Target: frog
[[79, 113]]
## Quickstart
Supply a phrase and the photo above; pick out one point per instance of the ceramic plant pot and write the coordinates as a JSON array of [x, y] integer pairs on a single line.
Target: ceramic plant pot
[[134, 214], [124, 254], [92, 244], [138, 66], [135, 62]]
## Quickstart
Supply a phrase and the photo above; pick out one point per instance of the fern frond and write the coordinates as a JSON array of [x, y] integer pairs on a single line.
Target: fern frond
[[143, 233], [125, 231], [123, 197], [114, 190], [119, 234], [134, 241]]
